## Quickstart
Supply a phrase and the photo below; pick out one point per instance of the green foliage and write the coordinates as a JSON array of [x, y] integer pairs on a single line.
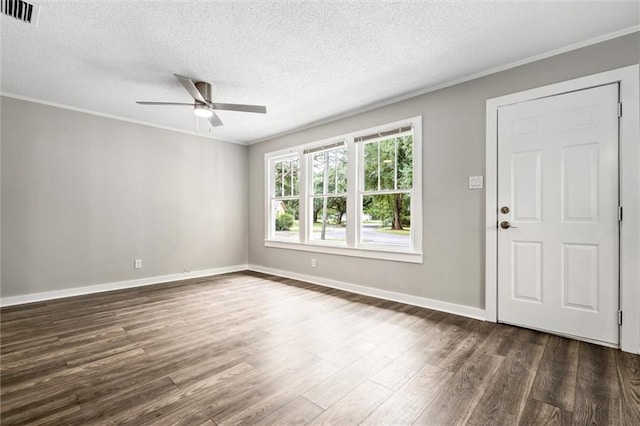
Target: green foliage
[[384, 207], [288, 213], [287, 176], [338, 207], [405, 162], [284, 221], [330, 177], [292, 207], [388, 165], [330, 172]]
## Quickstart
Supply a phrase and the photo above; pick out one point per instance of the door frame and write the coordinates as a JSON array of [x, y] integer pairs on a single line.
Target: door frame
[[629, 189]]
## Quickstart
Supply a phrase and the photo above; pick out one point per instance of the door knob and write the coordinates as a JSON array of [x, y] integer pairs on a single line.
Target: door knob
[[506, 225], [504, 210]]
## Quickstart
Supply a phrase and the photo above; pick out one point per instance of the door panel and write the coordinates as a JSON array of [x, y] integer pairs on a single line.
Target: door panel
[[580, 183], [558, 175], [527, 183], [580, 276], [527, 271]]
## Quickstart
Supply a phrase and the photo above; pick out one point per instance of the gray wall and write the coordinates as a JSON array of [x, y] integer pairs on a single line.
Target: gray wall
[[453, 149], [83, 196]]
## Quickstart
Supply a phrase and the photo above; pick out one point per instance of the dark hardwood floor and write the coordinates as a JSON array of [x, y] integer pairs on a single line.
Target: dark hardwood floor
[[248, 348]]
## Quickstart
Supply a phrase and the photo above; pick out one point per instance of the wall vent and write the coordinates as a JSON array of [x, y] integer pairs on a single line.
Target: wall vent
[[22, 10]]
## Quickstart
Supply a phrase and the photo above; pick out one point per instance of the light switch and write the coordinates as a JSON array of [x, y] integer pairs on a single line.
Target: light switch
[[476, 182]]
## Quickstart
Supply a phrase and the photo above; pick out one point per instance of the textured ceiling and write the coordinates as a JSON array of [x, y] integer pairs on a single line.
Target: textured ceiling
[[306, 62]]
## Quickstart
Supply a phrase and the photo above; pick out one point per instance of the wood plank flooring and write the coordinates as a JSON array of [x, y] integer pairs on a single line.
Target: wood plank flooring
[[248, 348]]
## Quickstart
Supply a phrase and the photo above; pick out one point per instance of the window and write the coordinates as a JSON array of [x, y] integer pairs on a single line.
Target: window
[[329, 195], [284, 200], [358, 194], [385, 195]]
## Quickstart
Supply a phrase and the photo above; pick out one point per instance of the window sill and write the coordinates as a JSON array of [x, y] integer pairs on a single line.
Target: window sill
[[370, 253]]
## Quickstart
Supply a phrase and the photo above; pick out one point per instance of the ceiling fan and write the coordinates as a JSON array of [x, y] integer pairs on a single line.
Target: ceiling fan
[[202, 106]]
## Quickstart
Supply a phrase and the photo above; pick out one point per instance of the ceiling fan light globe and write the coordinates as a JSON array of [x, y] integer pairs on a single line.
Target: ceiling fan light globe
[[202, 111]]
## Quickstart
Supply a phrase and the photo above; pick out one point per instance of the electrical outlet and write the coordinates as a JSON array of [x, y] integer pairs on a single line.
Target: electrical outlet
[[137, 264], [313, 262]]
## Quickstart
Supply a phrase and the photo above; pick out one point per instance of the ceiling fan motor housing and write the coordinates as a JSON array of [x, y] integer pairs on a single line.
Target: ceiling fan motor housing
[[205, 90]]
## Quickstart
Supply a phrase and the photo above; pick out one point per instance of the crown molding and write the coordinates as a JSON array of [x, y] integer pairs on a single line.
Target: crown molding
[[114, 117], [429, 89]]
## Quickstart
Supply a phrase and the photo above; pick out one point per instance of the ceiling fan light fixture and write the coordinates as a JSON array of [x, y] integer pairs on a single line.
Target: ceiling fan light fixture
[[203, 111]]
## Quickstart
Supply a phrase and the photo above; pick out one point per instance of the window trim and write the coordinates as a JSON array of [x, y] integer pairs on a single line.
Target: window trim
[[271, 184], [353, 246]]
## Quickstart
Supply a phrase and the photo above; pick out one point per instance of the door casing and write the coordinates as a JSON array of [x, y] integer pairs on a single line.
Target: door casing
[[629, 134]]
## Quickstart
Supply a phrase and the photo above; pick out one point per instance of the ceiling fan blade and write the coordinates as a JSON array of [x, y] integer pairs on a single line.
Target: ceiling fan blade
[[240, 107], [188, 84], [163, 103], [215, 120]]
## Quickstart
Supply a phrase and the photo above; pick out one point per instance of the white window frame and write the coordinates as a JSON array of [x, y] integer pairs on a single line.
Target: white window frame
[[271, 229], [412, 254], [363, 192], [310, 195]]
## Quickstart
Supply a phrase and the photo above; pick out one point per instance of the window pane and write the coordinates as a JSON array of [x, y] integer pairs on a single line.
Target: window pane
[[286, 177], [330, 172], [405, 162], [341, 171], [318, 172], [277, 172], [386, 219], [371, 166], [387, 163], [329, 219], [286, 215]]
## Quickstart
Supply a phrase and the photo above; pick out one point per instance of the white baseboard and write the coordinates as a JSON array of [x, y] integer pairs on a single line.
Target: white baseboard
[[423, 302], [99, 288]]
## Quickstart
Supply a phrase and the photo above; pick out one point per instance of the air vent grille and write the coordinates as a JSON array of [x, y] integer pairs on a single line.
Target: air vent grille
[[22, 10]]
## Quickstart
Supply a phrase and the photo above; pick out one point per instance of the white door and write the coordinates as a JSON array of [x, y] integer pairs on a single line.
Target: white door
[[558, 241]]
